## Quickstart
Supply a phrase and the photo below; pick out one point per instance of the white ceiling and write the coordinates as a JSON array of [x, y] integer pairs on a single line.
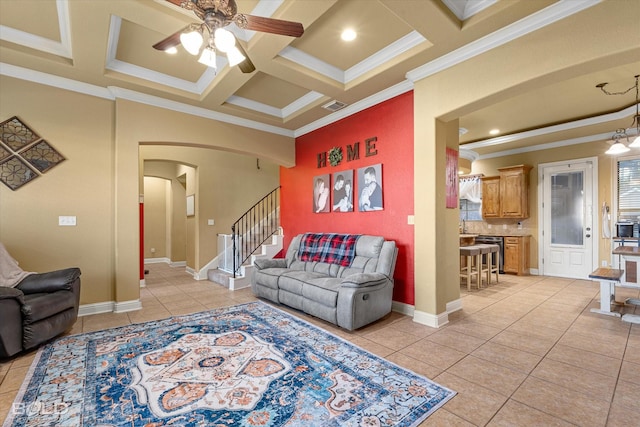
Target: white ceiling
[[104, 48]]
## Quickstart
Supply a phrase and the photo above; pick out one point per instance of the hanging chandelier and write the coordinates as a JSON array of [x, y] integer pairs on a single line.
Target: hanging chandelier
[[620, 139]]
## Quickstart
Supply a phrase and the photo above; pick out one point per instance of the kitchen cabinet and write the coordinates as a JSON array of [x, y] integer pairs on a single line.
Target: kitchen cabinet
[[491, 197], [516, 254], [506, 195]]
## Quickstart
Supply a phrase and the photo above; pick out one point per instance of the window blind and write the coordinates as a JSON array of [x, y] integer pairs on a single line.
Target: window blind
[[629, 188]]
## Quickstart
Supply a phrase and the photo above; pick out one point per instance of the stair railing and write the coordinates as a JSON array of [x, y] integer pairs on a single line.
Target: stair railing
[[255, 227]]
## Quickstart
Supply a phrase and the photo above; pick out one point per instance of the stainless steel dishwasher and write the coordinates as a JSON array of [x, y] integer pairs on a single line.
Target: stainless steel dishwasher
[[494, 240]]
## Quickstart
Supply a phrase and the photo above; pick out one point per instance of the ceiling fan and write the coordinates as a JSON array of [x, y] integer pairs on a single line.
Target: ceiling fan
[[217, 14]]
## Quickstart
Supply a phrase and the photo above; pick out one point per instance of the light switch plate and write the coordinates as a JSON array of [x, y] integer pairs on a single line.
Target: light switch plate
[[210, 222], [66, 220], [410, 220]]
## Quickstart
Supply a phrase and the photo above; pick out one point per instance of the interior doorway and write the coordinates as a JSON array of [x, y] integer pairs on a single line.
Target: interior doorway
[[568, 220]]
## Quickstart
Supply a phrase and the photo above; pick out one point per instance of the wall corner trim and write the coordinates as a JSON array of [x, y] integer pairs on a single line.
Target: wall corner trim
[[428, 319]]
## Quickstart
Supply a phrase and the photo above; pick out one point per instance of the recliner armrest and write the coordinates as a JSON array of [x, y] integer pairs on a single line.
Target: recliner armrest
[[361, 280], [262, 263], [11, 293], [49, 282]]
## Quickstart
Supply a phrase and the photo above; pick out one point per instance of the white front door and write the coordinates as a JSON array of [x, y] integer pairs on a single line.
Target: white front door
[[568, 220]]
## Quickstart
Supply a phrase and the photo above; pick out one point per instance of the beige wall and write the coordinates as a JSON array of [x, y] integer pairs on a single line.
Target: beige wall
[[221, 176], [99, 182], [157, 196], [80, 127]]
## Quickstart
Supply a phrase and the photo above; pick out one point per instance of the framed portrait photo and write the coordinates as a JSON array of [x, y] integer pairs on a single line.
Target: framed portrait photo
[[321, 198], [370, 188], [342, 191]]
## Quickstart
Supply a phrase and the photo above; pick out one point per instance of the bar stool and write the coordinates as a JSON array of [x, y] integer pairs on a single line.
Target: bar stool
[[495, 261], [490, 261], [484, 262], [473, 258]]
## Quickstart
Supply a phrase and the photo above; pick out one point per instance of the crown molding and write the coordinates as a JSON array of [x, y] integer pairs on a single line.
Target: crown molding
[[384, 95], [547, 146], [465, 9], [55, 81], [384, 55], [540, 19], [61, 48], [167, 104], [596, 120], [344, 77]]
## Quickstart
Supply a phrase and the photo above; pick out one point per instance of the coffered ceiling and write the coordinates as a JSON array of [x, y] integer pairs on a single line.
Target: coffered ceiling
[[104, 47]]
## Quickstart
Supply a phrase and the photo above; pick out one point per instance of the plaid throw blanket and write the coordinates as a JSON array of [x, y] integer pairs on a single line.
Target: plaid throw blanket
[[331, 248]]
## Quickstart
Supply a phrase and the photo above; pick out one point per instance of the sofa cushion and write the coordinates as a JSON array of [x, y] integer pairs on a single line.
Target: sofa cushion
[[369, 246], [316, 267], [293, 280], [322, 290], [269, 277]]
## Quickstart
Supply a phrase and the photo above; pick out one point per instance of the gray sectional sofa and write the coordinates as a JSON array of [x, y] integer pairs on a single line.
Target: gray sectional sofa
[[350, 296]]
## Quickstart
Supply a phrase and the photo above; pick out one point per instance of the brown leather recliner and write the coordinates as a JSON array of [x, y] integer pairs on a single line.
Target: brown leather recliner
[[40, 307]]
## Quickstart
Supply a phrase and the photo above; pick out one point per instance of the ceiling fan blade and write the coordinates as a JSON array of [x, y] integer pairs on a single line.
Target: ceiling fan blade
[[269, 25], [245, 66], [172, 41], [176, 2]]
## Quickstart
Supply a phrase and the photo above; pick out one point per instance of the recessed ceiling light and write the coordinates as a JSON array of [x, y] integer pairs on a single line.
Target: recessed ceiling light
[[172, 50], [348, 35], [494, 131]]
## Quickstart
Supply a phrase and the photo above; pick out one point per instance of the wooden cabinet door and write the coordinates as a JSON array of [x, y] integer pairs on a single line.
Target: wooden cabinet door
[[514, 194], [511, 254], [491, 197]]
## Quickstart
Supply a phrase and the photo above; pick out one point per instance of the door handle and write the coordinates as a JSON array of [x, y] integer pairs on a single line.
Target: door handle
[[588, 235]]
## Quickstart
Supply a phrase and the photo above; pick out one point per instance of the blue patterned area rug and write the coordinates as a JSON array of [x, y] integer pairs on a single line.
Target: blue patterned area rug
[[247, 365]]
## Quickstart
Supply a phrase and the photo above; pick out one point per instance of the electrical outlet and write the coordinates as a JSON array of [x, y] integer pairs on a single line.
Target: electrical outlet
[[67, 221], [504, 226], [153, 250], [605, 263], [488, 225]]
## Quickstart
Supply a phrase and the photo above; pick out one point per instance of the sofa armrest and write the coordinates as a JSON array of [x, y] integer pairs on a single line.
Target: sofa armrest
[[49, 282], [262, 263], [362, 280], [11, 293]]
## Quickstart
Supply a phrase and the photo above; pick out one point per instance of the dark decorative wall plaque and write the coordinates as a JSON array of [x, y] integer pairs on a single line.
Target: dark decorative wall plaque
[[16, 134], [22, 151], [4, 153], [14, 172], [42, 156]]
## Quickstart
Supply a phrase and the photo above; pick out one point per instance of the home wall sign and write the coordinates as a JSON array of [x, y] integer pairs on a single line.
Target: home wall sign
[[24, 155], [335, 154]]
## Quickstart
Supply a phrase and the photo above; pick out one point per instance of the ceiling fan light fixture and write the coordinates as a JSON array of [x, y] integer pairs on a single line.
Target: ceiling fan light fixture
[[235, 56], [208, 57], [171, 51], [636, 142], [192, 40], [224, 40]]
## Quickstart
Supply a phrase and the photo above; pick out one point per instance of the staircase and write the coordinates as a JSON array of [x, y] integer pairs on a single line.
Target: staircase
[[257, 234]]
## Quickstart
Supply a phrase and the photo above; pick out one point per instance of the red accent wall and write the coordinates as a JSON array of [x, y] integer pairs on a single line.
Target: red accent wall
[[392, 123]]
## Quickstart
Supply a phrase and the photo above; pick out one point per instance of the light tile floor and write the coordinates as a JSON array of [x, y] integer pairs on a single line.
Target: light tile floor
[[524, 352]]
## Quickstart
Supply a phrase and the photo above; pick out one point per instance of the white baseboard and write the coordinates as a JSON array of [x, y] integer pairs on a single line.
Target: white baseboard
[[96, 308], [454, 305], [178, 263], [402, 308], [109, 307], [157, 260], [123, 307], [428, 319]]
